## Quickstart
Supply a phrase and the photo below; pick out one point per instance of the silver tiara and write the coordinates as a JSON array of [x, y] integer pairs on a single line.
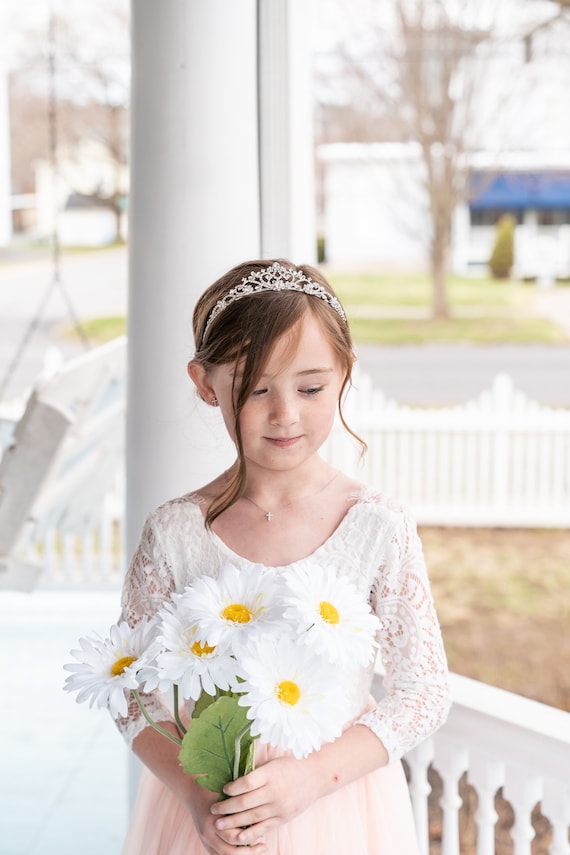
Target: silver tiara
[[276, 277]]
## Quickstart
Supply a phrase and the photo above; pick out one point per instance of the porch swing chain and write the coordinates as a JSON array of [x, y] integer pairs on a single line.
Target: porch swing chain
[[56, 280]]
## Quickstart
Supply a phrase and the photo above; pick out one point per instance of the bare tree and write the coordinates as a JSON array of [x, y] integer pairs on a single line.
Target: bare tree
[[71, 85], [101, 81], [439, 90], [428, 63]]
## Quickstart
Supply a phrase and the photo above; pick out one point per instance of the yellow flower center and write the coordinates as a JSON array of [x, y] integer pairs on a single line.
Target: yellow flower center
[[237, 613], [199, 649], [288, 692], [328, 612], [121, 665]]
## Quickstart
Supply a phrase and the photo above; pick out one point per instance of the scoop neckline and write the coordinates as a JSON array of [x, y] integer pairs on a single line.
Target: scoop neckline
[[360, 498]]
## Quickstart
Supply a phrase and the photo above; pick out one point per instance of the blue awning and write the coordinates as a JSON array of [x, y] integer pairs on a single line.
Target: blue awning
[[514, 190]]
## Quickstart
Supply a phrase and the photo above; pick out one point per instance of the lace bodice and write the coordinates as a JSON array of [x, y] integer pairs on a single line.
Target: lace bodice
[[377, 547]]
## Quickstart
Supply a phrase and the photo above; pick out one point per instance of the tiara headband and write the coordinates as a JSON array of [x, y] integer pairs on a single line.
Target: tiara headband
[[275, 277]]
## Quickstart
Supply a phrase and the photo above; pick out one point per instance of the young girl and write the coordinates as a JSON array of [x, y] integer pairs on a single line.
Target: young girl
[[274, 353]]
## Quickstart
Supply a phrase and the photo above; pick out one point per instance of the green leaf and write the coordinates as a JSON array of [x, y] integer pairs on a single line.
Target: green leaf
[[247, 759], [205, 700], [208, 748]]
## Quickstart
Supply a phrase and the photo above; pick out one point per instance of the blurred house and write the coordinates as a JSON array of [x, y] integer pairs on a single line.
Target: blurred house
[[537, 194], [376, 209], [83, 195]]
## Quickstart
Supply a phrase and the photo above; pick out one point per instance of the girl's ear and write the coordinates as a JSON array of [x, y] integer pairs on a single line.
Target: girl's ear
[[201, 380]]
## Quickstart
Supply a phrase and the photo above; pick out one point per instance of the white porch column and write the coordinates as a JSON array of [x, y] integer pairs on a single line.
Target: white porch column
[[5, 170], [286, 106], [195, 209], [194, 212]]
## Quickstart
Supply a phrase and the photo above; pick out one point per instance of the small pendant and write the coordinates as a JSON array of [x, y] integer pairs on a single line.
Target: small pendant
[[268, 516]]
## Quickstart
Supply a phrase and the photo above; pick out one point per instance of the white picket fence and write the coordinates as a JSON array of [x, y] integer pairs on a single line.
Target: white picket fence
[[500, 460]]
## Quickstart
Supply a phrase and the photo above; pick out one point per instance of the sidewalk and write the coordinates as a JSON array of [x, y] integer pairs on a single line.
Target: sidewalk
[[554, 304], [63, 782]]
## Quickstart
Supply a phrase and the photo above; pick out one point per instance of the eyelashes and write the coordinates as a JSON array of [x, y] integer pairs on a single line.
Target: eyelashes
[[309, 392]]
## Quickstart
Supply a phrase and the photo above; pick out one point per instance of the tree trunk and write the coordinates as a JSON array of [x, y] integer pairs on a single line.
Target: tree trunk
[[439, 256], [118, 212]]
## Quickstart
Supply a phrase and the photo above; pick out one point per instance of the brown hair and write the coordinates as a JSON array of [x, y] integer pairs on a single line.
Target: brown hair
[[247, 329]]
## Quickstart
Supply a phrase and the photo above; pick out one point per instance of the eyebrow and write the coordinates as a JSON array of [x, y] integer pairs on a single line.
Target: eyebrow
[[306, 372], [316, 371]]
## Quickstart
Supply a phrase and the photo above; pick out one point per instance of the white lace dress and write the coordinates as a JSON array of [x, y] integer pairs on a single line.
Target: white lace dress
[[377, 547]]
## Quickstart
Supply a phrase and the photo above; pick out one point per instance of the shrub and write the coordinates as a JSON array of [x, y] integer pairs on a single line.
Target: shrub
[[502, 257]]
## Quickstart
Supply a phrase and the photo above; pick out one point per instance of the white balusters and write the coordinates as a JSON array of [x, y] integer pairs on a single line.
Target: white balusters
[[419, 761], [512, 742], [68, 557], [523, 790], [556, 806], [486, 775], [451, 761], [93, 558]]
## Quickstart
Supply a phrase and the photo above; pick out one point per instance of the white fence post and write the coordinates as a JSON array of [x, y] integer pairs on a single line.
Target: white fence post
[[500, 460]]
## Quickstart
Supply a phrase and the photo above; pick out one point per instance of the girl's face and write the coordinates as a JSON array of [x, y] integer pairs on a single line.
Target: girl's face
[[292, 409]]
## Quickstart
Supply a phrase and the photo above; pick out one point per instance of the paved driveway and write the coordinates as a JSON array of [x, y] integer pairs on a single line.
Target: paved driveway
[[450, 374]]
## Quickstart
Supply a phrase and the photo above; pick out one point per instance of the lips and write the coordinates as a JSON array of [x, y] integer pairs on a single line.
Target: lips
[[283, 441]]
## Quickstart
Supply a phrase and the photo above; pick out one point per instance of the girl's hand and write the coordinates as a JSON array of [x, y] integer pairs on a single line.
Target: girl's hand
[[262, 800], [200, 808]]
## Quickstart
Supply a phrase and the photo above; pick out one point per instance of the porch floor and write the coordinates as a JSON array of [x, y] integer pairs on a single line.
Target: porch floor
[[64, 767]]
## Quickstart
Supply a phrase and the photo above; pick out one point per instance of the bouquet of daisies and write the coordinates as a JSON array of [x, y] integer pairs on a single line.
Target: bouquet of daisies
[[257, 651]]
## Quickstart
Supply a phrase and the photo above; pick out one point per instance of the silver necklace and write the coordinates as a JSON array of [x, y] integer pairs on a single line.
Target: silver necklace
[[270, 514]]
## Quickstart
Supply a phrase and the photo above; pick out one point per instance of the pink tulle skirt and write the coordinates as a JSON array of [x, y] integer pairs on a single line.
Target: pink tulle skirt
[[371, 816]]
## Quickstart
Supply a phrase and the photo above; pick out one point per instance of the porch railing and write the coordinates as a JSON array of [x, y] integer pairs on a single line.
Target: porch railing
[[497, 775]]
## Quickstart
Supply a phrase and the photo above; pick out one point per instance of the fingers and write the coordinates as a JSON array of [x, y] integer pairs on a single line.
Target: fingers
[[233, 841], [245, 817], [244, 794], [252, 837], [246, 784], [246, 827]]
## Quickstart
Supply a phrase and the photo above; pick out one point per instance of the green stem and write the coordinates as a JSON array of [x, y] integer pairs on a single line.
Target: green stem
[[153, 723], [177, 718], [237, 751]]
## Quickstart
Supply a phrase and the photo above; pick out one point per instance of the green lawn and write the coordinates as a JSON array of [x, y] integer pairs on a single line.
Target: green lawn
[[395, 309], [478, 330], [99, 330], [416, 290]]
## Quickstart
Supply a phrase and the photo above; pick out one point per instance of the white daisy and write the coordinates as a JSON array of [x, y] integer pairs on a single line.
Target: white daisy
[[108, 667], [292, 698], [332, 616], [235, 608], [183, 659]]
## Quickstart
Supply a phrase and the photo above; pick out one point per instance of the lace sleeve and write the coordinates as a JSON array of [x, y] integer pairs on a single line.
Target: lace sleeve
[[149, 582], [416, 679]]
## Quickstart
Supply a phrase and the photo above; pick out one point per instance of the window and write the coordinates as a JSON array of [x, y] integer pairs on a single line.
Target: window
[[489, 216]]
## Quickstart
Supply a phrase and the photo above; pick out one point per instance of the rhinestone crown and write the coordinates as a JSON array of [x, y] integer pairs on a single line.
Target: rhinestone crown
[[275, 277]]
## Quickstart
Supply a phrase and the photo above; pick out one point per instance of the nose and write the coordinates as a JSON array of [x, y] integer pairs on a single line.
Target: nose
[[284, 411]]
